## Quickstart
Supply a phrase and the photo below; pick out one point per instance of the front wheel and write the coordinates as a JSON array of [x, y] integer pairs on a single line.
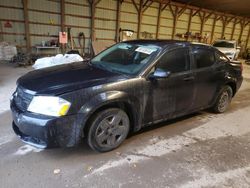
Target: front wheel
[[108, 129], [223, 100]]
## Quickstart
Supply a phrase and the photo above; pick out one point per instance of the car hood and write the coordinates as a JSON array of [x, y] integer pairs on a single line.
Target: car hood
[[226, 50], [65, 78]]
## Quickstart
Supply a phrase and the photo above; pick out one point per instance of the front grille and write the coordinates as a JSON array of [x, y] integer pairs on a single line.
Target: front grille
[[22, 99]]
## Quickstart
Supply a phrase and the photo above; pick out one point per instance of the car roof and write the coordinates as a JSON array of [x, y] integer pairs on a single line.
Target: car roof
[[158, 42], [165, 43], [230, 41]]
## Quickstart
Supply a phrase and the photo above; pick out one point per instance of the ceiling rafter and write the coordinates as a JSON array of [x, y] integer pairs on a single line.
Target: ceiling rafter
[[145, 6], [136, 7], [196, 8], [165, 5], [196, 12]]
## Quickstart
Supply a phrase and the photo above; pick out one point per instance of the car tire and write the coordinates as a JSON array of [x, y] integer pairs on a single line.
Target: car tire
[[223, 100], [108, 129]]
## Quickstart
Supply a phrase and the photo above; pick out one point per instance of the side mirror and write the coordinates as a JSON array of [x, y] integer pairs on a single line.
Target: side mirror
[[159, 73], [238, 47]]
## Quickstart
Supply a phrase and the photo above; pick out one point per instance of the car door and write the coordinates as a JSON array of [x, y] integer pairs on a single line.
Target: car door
[[206, 76], [174, 94]]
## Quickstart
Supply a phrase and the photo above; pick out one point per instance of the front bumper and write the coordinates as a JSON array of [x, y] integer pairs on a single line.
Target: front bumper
[[45, 131]]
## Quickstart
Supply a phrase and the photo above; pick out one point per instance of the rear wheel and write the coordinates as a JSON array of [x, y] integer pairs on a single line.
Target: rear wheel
[[108, 129], [223, 100]]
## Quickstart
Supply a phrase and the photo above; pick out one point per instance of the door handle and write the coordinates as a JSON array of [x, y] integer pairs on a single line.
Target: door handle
[[188, 78]]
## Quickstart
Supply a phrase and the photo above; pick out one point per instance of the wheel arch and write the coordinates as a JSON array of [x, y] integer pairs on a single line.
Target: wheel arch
[[114, 99]]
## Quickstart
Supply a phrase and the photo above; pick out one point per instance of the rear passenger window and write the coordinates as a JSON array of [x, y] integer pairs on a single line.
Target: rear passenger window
[[175, 61], [203, 58], [221, 58]]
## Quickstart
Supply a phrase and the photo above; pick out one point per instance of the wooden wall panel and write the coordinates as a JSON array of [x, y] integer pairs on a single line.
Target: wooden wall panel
[[45, 21]]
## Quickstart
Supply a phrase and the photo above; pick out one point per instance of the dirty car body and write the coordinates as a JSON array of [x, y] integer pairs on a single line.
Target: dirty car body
[[166, 79]]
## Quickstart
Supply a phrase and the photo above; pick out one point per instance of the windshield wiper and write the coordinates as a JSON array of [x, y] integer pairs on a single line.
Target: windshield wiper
[[117, 71], [107, 68]]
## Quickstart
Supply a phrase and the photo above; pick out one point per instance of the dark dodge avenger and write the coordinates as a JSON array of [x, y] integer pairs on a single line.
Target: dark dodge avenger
[[124, 88]]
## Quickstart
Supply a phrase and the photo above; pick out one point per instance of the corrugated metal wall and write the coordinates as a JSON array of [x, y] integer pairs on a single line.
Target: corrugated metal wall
[[166, 24], [45, 21], [15, 16], [77, 17], [129, 16]]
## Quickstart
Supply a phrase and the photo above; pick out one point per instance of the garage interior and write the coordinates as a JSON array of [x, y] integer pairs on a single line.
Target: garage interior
[[200, 150]]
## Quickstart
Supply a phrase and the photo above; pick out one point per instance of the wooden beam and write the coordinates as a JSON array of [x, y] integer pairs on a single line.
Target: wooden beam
[[139, 19], [181, 11], [230, 19], [218, 18], [62, 4], [165, 5], [203, 9], [174, 3], [1, 32], [92, 4], [196, 12], [118, 18], [158, 21], [62, 15], [135, 5], [147, 6], [172, 10], [26, 24], [224, 25], [241, 29], [247, 23], [202, 18], [209, 15], [213, 27], [175, 16], [234, 24], [190, 20], [223, 30], [248, 38], [239, 21]]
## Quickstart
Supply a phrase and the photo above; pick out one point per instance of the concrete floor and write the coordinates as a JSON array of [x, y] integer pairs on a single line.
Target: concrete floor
[[200, 150]]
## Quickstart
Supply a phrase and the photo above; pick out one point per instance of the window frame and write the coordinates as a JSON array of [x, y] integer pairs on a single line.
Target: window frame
[[220, 54], [187, 48], [205, 49]]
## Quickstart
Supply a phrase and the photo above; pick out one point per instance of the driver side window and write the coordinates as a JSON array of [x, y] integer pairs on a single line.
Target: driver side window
[[175, 61]]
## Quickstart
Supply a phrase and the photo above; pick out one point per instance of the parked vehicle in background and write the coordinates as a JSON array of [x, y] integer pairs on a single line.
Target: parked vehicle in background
[[124, 88], [228, 47]]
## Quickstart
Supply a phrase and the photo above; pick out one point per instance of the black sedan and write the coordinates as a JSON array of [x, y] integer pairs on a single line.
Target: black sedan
[[124, 88]]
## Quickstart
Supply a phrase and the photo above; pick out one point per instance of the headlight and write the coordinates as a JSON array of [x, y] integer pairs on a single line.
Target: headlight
[[48, 105]]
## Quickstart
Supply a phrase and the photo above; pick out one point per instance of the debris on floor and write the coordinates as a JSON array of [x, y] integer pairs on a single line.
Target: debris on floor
[[57, 171], [90, 168], [22, 59]]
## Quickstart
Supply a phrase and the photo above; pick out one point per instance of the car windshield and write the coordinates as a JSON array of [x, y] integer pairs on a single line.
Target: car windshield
[[125, 58], [223, 44]]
